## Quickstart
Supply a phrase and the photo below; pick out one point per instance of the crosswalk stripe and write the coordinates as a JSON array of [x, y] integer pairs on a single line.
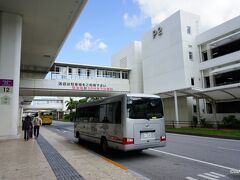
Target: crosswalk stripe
[[207, 177], [218, 174], [211, 175], [190, 178]]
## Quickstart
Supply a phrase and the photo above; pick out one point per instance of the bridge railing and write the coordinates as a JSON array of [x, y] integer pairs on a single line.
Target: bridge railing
[[60, 76]]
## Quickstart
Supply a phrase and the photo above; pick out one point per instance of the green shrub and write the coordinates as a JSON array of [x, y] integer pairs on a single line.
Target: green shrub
[[203, 122], [231, 122], [69, 117], [194, 121]]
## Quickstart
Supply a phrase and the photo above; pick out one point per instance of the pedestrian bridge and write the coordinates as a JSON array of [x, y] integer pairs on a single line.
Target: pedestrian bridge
[[45, 104], [78, 81]]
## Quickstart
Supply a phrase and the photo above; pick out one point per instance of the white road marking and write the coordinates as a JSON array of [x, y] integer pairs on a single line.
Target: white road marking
[[211, 175], [191, 159], [207, 177], [202, 137], [190, 178], [218, 174], [228, 149]]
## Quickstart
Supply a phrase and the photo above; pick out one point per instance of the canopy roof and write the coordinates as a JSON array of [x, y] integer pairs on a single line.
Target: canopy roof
[[217, 94]]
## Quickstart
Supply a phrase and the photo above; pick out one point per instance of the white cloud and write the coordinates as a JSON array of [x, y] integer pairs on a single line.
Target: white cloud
[[102, 46], [132, 21], [212, 12], [88, 43]]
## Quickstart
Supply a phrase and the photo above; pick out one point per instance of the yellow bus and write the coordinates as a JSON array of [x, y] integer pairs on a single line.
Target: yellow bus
[[47, 117]]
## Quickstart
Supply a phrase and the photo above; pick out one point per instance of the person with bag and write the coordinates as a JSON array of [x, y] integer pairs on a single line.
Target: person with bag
[[27, 125], [37, 122]]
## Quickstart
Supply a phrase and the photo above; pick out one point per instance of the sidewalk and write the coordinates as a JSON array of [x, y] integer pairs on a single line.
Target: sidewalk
[[17, 159], [23, 160]]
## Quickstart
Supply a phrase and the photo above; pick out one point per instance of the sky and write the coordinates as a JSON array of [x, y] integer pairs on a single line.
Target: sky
[[106, 26]]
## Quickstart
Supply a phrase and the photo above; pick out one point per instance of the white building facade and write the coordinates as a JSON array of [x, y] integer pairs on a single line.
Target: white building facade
[[174, 57]]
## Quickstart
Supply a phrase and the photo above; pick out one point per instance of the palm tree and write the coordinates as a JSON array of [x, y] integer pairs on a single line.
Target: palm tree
[[82, 101], [90, 99], [71, 104]]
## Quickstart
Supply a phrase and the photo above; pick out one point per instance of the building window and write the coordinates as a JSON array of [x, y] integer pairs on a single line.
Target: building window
[[124, 75], [194, 108], [99, 73], [209, 108], [189, 29], [190, 55], [192, 81], [88, 72], [207, 82], [204, 56], [116, 74], [57, 69], [69, 70], [228, 107], [109, 74], [230, 77]]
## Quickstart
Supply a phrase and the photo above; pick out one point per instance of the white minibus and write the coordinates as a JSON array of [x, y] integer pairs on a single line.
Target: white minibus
[[125, 122]]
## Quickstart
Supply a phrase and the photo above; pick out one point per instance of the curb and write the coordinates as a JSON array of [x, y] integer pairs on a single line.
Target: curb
[[203, 135]]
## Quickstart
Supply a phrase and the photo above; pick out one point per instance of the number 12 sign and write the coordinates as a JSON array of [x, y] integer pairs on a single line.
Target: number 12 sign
[[6, 86]]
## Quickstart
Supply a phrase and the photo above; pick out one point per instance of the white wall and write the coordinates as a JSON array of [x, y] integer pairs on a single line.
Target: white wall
[[10, 54], [130, 57], [166, 65], [162, 56], [191, 67]]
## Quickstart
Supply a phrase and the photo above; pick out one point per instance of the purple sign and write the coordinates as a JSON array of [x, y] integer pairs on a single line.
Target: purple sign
[[6, 82]]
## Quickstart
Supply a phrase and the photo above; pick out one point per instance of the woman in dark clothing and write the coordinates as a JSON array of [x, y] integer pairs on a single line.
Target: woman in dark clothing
[[27, 125]]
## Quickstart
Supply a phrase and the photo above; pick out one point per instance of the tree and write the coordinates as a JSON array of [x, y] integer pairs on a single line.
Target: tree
[[82, 101], [71, 104], [90, 99]]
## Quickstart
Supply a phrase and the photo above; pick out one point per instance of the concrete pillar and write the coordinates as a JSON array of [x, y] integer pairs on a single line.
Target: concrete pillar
[[198, 110], [214, 108], [58, 115], [209, 54], [176, 110], [212, 84], [20, 116], [10, 54]]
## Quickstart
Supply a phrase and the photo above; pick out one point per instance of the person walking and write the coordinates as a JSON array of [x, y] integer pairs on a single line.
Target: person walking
[[37, 122], [27, 125]]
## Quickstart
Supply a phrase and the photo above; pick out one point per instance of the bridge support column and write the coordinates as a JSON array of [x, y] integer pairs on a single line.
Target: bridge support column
[[10, 55]]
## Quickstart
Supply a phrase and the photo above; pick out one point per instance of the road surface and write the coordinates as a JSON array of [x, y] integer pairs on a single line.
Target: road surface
[[184, 157]]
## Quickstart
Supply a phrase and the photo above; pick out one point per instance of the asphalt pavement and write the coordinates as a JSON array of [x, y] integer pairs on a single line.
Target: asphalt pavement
[[184, 157]]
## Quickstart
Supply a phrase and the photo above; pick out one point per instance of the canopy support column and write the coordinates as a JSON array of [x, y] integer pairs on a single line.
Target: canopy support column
[[198, 111], [176, 110], [214, 114]]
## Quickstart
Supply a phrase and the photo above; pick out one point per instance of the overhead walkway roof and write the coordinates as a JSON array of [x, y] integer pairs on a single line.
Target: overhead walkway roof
[[217, 94]]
